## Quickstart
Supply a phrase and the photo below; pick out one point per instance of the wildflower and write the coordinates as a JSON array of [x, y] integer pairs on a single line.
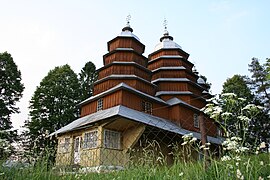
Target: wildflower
[[203, 146], [244, 118], [261, 163], [228, 95], [159, 159], [242, 99], [184, 143], [237, 158], [268, 177], [262, 145], [226, 114], [181, 174], [187, 136], [225, 158], [239, 174], [243, 149], [257, 152], [260, 178], [237, 163], [193, 139], [234, 138]]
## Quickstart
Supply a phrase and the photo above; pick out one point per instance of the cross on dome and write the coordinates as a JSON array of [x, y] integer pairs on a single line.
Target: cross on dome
[[165, 23], [128, 20]]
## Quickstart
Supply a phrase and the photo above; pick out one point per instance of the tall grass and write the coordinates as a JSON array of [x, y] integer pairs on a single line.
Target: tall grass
[[250, 166]]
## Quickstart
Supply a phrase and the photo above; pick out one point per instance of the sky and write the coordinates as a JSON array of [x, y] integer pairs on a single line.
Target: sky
[[221, 36]]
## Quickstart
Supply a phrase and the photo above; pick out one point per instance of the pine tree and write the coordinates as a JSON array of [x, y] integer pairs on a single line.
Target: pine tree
[[238, 85], [260, 80], [11, 89], [87, 77]]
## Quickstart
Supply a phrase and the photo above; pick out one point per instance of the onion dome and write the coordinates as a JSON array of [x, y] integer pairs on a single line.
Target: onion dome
[[201, 81], [127, 30], [194, 70], [166, 41]]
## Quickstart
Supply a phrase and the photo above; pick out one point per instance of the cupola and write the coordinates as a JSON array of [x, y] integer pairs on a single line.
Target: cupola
[[166, 41]]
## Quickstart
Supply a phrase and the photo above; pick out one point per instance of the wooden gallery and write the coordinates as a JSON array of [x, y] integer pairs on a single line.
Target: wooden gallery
[[137, 101]]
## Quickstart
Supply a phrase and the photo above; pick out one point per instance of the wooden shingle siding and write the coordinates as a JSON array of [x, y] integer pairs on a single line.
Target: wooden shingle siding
[[126, 43], [110, 100], [168, 62], [125, 70], [135, 83], [173, 74], [125, 56]]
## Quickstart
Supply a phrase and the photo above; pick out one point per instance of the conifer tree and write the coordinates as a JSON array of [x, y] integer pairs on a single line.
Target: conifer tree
[[11, 89], [87, 77]]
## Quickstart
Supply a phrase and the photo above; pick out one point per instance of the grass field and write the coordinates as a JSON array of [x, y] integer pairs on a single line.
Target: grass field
[[244, 167]]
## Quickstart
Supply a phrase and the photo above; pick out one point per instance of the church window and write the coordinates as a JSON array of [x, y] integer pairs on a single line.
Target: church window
[[100, 104], [196, 121], [147, 107]]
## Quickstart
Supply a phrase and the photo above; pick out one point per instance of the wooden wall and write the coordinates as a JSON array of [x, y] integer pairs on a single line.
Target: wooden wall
[[173, 74], [135, 83], [134, 101], [125, 70], [166, 52], [125, 56], [168, 62], [110, 100], [126, 43], [172, 86]]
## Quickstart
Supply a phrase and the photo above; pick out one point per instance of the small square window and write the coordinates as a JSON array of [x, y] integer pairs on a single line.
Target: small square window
[[90, 139], [112, 139], [64, 145], [147, 107], [196, 120], [100, 104]]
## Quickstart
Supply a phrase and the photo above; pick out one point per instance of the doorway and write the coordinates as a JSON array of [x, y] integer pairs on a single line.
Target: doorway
[[77, 147]]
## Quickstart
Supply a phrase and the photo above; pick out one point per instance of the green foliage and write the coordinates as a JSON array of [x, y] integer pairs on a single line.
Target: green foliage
[[52, 106], [87, 77], [238, 85], [11, 89], [236, 117], [260, 80], [250, 167]]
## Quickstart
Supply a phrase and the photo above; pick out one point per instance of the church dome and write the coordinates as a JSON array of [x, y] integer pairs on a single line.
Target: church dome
[[166, 42], [127, 31], [201, 81]]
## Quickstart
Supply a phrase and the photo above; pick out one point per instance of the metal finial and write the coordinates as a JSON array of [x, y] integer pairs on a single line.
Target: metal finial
[[165, 23], [128, 20]]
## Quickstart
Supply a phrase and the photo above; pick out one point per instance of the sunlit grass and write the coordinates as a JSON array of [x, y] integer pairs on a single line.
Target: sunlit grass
[[250, 167]]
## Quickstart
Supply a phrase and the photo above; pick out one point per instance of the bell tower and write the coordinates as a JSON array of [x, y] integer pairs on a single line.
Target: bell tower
[[172, 72], [124, 63]]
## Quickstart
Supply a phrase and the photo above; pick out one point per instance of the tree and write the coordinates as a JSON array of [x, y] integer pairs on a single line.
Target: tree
[[259, 125], [11, 89], [52, 106], [87, 77], [238, 118], [238, 85], [260, 80]]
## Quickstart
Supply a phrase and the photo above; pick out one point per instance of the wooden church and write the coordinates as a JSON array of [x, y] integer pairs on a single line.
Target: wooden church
[[137, 100]]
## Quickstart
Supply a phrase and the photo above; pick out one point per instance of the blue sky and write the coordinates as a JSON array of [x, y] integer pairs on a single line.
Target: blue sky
[[221, 36]]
